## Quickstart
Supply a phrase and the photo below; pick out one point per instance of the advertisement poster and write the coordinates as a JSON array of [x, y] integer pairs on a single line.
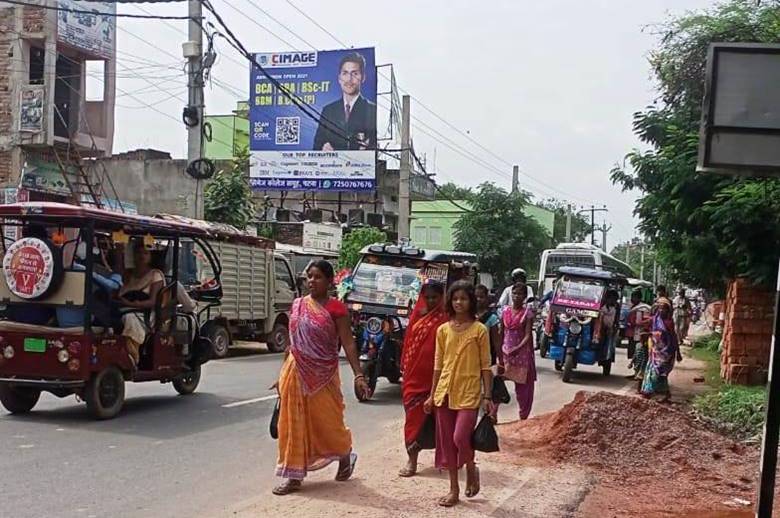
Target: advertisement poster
[[31, 110], [44, 177], [93, 32], [290, 150]]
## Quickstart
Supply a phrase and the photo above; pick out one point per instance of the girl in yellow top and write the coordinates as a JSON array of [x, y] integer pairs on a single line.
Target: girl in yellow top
[[461, 364]]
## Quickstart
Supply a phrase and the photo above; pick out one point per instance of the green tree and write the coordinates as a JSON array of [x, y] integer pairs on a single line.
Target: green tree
[[499, 233], [580, 226], [631, 253], [706, 228], [355, 241], [453, 191], [228, 197]]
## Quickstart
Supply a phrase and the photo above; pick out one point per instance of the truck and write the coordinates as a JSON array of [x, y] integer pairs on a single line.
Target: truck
[[258, 291]]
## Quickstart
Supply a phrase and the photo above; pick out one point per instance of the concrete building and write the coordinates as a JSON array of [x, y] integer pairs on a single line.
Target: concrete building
[[433, 222], [57, 91]]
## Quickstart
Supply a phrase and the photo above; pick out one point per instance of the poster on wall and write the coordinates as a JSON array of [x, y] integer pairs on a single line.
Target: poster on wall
[[44, 177], [31, 109], [93, 32], [292, 151]]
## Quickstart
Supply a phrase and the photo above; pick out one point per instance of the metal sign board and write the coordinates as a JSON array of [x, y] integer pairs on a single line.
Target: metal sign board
[[740, 128]]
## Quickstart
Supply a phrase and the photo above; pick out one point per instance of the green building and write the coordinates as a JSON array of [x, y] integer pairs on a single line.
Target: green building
[[432, 222], [229, 133]]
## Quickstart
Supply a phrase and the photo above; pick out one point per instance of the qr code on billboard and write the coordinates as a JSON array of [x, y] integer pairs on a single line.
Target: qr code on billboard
[[288, 130]]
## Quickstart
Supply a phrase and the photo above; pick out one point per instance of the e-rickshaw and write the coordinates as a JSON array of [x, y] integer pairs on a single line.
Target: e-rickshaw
[[381, 293], [56, 335], [583, 300]]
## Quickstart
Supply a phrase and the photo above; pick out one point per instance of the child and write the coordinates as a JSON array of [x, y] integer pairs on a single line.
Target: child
[[462, 361], [518, 350]]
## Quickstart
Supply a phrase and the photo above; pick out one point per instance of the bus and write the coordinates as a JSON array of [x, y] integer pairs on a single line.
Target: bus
[[577, 254]]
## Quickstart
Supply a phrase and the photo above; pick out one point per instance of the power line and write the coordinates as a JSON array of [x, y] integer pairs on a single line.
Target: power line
[[97, 13], [315, 22]]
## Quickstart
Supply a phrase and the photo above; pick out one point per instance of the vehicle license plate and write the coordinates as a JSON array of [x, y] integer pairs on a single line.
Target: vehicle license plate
[[35, 345]]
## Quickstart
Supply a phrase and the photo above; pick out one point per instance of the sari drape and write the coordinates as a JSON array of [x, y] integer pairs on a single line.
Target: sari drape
[[663, 354], [417, 363], [312, 433]]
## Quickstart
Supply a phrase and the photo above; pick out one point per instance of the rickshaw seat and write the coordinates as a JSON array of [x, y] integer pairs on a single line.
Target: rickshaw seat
[[20, 327]]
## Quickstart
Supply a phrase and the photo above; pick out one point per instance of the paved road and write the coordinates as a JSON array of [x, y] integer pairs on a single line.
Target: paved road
[[168, 455]]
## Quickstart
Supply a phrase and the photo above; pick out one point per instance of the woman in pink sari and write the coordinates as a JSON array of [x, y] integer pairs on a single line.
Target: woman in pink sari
[[312, 433], [518, 362]]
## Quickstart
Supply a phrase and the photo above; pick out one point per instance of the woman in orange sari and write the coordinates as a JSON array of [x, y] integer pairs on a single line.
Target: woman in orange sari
[[312, 433], [417, 364]]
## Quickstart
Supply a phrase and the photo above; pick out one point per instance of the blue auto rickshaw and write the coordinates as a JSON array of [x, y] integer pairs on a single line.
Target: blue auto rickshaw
[[582, 323]]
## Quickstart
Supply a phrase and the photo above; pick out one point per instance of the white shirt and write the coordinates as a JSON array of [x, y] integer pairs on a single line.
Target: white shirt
[[506, 296], [351, 104]]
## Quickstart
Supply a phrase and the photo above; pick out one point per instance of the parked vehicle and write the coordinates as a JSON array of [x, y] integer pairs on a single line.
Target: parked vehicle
[[577, 254], [53, 256], [259, 289], [381, 293], [574, 323], [300, 258]]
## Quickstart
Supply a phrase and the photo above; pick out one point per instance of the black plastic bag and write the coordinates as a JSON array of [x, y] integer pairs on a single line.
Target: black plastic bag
[[485, 437], [426, 438], [274, 427], [500, 393]]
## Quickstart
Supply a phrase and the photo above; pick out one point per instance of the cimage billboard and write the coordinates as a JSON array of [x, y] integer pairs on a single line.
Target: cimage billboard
[[292, 151]]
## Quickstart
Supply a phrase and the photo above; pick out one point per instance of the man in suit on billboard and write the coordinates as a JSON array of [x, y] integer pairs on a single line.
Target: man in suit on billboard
[[350, 122]]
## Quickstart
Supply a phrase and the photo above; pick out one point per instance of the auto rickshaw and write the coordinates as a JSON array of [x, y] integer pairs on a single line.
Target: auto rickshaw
[[381, 293], [55, 256], [584, 299]]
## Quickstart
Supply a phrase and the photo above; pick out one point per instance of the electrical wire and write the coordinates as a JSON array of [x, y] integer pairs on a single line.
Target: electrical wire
[[97, 13]]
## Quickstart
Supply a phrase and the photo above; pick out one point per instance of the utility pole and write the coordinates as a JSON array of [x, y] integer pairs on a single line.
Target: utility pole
[[515, 178], [193, 51], [642, 262], [568, 223], [604, 230], [406, 170], [593, 210]]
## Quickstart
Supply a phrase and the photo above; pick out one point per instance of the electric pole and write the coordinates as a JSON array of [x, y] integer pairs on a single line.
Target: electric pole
[[642, 262], [405, 171], [604, 229], [568, 223], [593, 210], [193, 51], [515, 178]]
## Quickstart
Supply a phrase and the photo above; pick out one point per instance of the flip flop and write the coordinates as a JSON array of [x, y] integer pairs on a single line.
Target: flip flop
[[291, 486], [406, 472], [344, 474]]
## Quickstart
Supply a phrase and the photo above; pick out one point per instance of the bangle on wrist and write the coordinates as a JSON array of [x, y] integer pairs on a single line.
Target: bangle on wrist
[[359, 376]]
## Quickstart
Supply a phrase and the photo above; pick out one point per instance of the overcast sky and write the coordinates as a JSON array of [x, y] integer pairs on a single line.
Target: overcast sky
[[550, 85]]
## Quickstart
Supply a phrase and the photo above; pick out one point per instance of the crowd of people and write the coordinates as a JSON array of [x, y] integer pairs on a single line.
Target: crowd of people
[[457, 347]]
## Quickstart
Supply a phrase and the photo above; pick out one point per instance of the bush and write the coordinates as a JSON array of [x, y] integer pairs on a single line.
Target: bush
[[708, 343], [737, 409], [355, 241]]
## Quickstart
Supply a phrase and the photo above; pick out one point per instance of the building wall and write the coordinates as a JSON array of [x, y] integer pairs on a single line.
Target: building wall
[[229, 133]]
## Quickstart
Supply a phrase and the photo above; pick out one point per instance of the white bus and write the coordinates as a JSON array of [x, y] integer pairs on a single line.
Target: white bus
[[577, 254]]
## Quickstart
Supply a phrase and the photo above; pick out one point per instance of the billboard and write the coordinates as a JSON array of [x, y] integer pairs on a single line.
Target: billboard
[[93, 32], [290, 150]]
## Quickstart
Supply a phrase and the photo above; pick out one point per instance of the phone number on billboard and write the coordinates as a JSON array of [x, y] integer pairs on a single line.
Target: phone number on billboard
[[308, 185]]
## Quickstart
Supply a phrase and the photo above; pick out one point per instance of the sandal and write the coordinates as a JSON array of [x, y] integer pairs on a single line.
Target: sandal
[[290, 486], [472, 487], [449, 500], [407, 472], [345, 472]]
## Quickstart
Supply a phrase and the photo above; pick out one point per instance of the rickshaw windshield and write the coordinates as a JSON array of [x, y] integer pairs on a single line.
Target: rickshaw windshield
[[386, 280], [579, 293]]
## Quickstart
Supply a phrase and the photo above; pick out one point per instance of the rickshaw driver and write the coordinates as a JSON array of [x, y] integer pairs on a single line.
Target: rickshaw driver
[[518, 275]]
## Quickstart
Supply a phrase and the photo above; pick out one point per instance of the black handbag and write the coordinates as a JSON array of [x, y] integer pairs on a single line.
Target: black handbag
[[274, 427], [500, 394], [485, 438], [426, 438]]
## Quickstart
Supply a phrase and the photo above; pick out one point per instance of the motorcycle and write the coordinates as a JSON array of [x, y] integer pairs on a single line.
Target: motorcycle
[[380, 346]]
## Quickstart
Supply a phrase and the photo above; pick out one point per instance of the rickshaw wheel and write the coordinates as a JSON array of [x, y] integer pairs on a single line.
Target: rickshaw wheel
[[607, 368], [543, 345], [220, 340], [568, 367], [558, 366], [18, 400], [279, 338], [105, 393], [187, 382]]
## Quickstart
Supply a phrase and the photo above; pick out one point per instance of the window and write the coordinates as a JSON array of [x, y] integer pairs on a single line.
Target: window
[[95, 80], [419, 235], [37, 61], [283, 275], [434, 236]]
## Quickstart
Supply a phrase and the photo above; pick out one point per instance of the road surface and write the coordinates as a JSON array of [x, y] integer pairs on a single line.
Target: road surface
[[167, 455]]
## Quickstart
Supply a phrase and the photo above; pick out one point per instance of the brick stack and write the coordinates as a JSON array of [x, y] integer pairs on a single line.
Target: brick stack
[[747, 334]]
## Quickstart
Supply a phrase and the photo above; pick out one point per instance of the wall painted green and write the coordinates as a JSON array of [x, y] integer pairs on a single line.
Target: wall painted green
[[432, 222], [228, 134]]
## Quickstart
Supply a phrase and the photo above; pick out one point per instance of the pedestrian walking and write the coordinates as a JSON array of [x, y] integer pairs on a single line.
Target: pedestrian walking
[[490, 320], [461, 365], [312, 433], [638, 331], [417, 363], [664, 351], [519, 364], [682, 314]]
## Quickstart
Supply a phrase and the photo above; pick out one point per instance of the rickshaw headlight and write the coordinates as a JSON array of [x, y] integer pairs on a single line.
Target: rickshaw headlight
[[63, 355], [575, 327], [8, 352]]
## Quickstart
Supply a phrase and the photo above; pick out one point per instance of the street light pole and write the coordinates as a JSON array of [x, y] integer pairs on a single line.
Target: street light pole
[[193, 51], [405, 169]]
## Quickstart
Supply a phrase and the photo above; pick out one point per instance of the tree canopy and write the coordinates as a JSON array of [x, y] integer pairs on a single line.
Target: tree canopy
[[453, 191], [580, 226], [228, 197], [498, 231], [349, 255], [707, 228]]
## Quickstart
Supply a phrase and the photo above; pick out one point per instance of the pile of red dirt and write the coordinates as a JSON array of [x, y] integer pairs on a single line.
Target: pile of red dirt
[[648, 452]]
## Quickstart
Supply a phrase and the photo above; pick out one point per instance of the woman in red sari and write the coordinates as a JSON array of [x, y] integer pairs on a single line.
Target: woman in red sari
[[417, 364]]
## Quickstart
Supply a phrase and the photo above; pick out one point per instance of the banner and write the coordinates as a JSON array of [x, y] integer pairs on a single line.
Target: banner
[[31, 109], [290, 150], [94, 33]]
